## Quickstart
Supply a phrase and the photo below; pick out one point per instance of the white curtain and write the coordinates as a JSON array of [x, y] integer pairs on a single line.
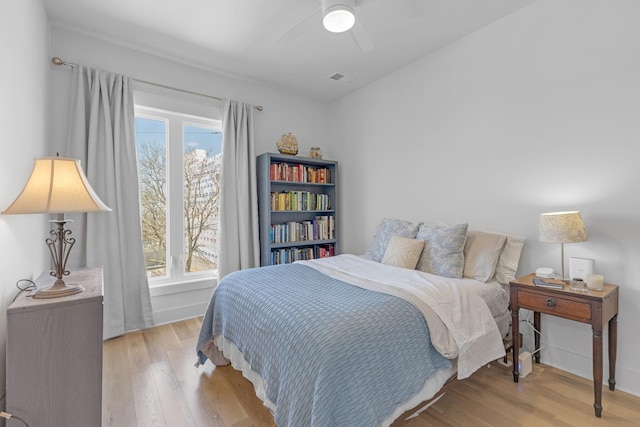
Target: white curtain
[[238, 236], [101, 135]]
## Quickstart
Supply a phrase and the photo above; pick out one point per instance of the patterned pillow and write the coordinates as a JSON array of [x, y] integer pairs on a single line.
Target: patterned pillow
[[443, 252], [390, 227], [481, 252], [403, 252]]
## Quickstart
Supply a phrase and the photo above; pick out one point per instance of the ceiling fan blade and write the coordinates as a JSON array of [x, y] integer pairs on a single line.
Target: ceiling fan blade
[[361, 37], [293, 30]]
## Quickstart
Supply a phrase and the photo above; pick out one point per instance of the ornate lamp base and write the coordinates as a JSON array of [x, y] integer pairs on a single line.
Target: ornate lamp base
[[59, 245], [58, 290]]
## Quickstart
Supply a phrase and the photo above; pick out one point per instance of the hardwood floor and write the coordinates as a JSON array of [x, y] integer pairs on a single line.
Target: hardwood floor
[[149, 380]]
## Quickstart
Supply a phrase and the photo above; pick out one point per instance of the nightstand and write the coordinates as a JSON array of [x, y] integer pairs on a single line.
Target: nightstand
[[54, 354], [597, 308]]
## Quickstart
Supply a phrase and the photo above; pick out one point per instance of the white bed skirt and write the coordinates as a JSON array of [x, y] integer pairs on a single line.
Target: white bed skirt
[[233, 355]]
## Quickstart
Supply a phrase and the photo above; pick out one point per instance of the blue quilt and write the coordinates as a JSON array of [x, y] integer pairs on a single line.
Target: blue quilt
[[330, 353]]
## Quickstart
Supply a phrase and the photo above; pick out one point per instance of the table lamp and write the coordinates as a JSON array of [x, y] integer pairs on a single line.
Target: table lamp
[[562, 227], [57, 185]]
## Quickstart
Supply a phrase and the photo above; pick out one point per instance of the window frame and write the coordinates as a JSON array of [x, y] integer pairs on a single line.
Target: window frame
[[175, 123]]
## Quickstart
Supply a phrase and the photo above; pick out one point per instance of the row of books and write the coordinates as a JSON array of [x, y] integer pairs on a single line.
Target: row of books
[[299, 173], [325, 251], [321, 228], [287, 256], [299, 201]]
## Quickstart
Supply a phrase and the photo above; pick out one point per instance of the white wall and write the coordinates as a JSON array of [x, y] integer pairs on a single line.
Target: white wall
[[23, 120], [538, 112], [282, 113]]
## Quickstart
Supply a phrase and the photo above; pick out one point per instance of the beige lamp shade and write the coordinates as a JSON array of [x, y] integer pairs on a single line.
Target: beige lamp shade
[[56, 185], [562, 227]]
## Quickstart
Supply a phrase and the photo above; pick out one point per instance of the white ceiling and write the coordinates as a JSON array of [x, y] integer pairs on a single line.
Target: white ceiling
[[251, 38]]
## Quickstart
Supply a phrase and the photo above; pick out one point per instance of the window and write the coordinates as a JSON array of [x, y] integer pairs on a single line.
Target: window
[[179, 159]]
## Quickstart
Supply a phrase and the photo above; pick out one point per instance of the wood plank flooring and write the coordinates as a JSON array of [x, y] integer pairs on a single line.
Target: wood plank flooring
[[149, 379]]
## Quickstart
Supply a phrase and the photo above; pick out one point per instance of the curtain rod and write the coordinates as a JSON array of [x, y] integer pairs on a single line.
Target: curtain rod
[[57, 61]]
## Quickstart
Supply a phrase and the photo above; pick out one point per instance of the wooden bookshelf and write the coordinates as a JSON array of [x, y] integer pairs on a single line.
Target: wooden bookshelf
[[297, 205]]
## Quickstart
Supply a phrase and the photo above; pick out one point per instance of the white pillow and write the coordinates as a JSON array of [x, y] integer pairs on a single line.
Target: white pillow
[[481, 253], [507, 266], [403, 252]]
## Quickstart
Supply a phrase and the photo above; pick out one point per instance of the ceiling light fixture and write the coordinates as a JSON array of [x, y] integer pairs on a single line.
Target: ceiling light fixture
[[338, 16]]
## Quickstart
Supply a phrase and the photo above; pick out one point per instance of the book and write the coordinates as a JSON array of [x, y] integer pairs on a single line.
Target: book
[[299, 173], [321, 228], [549, 283]]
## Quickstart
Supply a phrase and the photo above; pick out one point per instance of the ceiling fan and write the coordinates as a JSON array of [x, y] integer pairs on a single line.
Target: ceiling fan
[[338, 16]]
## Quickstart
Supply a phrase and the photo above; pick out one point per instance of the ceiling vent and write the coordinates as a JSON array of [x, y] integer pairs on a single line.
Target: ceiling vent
[[336, 76]]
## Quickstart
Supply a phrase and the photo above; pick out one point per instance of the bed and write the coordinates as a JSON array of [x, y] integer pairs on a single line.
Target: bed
[[355, 341]]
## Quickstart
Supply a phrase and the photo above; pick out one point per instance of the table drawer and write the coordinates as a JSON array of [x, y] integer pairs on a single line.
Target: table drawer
[[556, 306]]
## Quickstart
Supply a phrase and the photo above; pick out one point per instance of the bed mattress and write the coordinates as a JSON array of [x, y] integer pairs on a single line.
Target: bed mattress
[[493, 293], [496, 296]]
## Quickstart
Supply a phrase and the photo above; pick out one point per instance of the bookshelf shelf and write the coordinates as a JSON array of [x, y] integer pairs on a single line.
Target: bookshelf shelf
[[293, 184], [297, 205], [300, 211], [301, 243]]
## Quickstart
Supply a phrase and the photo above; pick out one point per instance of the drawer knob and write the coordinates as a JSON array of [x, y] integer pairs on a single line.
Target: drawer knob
[[551, 302]]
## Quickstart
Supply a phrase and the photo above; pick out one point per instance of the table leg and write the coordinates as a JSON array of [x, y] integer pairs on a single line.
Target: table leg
[[515, 339], [613, 349], [536, 334], [597, 371]]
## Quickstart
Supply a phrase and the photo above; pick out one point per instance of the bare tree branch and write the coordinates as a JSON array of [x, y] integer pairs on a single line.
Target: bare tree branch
[[202, 189], [201, 196], [153, 202]]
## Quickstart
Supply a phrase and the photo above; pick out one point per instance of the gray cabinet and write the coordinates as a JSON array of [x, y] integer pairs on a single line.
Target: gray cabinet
[[298, 208], [54, 355]]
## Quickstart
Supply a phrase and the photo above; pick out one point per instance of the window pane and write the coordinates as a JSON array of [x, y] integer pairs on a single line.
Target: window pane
[[202, 160], [151, 141]]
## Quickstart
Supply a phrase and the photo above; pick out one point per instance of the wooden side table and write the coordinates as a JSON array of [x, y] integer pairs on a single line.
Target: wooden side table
[[597, 308]]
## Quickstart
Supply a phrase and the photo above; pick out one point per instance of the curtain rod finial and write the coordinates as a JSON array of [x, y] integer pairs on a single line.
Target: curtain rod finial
[[56, 61]]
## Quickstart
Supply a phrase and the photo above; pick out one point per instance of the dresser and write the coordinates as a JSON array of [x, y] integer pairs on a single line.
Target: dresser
[[54, 354]]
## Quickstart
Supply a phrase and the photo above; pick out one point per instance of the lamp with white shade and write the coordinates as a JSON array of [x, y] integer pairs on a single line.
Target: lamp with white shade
[[562, 227], [57, 185]]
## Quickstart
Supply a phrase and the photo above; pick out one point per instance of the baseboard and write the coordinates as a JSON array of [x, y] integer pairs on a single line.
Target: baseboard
[[627, 380], [189, 301], [176, 314]]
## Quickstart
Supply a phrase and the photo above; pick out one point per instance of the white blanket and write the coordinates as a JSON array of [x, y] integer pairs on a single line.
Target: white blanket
[[460, 322]]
